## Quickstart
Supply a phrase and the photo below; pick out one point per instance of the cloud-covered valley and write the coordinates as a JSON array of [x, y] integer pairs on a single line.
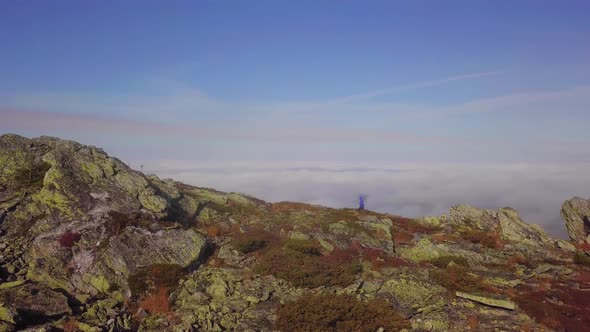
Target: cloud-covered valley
[[537, 192]]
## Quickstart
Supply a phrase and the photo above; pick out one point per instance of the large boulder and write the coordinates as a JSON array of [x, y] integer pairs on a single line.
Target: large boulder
[[86, 220], [576, 214], [32, 302], [506, 221], [100, 262]]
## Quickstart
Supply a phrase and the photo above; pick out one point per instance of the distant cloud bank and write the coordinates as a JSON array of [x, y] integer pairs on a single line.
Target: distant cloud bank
[[537, 192]]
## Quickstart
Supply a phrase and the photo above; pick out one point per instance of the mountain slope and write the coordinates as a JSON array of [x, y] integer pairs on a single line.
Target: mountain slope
[[90, 244]]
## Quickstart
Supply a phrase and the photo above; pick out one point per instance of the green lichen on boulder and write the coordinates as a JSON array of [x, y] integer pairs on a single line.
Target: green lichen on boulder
[[415, 294], [576, 214], [423, 250]]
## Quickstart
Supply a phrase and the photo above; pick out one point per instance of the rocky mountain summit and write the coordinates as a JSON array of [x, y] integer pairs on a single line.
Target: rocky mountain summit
[[88, 244]]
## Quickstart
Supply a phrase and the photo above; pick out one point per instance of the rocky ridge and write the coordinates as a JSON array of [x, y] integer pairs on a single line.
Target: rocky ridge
[[88, 244]]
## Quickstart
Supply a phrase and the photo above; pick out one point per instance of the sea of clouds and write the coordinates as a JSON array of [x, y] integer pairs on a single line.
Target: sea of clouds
[[537, 192]]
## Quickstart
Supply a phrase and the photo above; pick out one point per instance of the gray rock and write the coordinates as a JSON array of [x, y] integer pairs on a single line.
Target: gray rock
[[506, 220], [576, 214], [36, 299]]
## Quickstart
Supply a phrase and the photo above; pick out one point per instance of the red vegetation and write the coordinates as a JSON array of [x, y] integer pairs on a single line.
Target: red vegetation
[[584, 246], [248, 239], [156, 302], [68, 239], [515, 260], [473, 322], [444, 237], [306, 270], [331, 312], [154, 277], [583, 276], [213, 231], [379, 259], [457, 278], [402, 237], [489, 239], [412, 227], [70, 325], [556, 306]]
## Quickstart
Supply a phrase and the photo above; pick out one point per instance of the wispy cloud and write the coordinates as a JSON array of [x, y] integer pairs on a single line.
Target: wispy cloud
[[412, 86]]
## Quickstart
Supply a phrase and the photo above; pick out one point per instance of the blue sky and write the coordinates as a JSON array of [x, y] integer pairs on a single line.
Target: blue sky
[[319, 82]]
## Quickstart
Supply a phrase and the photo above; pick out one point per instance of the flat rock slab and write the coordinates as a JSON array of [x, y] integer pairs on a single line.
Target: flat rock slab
[[504, 304]]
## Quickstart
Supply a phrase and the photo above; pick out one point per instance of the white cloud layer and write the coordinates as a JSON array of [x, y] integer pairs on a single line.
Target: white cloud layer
[[537, 192]]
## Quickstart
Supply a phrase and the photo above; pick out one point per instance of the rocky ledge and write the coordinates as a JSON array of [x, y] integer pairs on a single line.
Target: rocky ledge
[[88, 244]]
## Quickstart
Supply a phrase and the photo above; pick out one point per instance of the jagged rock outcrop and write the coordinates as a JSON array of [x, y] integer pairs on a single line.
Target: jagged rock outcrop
[[576, 214], [505, 221]]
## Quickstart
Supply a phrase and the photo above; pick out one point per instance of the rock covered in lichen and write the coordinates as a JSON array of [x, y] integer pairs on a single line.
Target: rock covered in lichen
[[506, 221], [225, 299], [576, 214]]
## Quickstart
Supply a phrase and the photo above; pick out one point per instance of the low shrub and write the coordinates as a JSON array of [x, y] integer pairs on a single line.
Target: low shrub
[[330, 312], [488, 239], [559, 308], [380, 259], [443, 261], [156, 302], [412, 227], [254, 239], [458, 278], [402, 237], [584, 246], [70, 325], [68, 239], [306, 270], [303, 246], [247, 246], [154, 277]]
